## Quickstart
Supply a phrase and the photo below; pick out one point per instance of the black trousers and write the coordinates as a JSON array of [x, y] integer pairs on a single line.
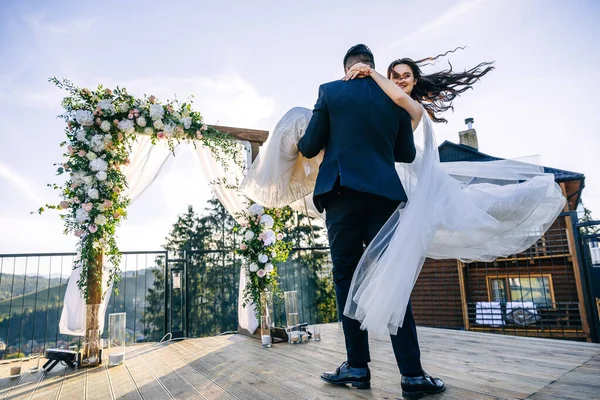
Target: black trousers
[[353, 219]]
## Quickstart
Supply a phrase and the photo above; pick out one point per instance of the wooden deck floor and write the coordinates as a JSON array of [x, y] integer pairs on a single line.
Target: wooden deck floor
[[473, 365]]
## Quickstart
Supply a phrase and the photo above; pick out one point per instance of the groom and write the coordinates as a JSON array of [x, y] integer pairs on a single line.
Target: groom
[[363, 133]]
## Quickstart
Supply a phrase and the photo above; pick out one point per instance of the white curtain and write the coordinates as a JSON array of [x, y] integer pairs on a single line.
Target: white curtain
[[234, 202]]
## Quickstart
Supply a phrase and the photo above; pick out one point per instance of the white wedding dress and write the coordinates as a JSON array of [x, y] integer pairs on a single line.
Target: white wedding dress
[[463, 210]]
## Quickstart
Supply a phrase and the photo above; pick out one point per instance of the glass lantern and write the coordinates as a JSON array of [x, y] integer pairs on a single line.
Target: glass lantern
[[116, 338]]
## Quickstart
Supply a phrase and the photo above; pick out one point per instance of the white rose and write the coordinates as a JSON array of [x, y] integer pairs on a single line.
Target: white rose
[[187, 122], [84, 118], [253, 267], [249, 235], [263, 258], [256, 209], [100, 220], [141, 121], [106, 105], [105, 126], [80, 135], [169, 129], [81, 215], [97, 143], [269, 267], [77, 177], [123, 107], [98, 165], [88, 180], [158, 124], [148, 131], [91, 156], [101, 176], [127, 126], [268, 237], [156, 111], [93, 194], [267, 221]]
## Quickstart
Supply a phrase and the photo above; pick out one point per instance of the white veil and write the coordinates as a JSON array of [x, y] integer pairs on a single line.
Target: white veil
[[463, 210]]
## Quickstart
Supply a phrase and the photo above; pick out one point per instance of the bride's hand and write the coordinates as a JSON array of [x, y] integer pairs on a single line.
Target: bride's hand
[[358, 70]]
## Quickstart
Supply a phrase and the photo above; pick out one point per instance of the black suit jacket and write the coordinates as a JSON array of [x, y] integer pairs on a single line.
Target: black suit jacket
[[363, 133]]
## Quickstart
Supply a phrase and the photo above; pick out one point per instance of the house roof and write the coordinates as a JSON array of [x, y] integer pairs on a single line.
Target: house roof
[[450, 152]]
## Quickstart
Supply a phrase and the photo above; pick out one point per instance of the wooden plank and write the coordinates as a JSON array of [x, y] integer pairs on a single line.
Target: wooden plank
[[228, 382], [98, 384], [50, 386], [195, 381], [73, 385], [577, 269], [147, 384], [463, 294], [251, 135]]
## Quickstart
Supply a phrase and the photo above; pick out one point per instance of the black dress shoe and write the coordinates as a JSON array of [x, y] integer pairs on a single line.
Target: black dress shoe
[[360, 378], [416, 387]]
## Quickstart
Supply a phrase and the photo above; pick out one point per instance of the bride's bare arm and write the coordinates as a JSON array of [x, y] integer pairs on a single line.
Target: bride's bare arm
[[414, 109]]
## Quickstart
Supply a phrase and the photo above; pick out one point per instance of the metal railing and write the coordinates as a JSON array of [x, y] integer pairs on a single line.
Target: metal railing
[[32, 290]]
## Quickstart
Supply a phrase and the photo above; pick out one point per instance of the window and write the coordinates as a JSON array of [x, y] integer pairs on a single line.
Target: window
[[536, 288]]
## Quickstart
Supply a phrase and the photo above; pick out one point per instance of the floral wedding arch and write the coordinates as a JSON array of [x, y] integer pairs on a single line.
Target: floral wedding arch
[[102, 125]]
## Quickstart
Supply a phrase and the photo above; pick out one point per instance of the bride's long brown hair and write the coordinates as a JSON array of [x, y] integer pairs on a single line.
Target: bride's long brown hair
[[436, 91]]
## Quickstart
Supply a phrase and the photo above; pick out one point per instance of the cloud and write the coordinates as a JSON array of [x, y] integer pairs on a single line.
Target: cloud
[[20, 183], [434, 27]]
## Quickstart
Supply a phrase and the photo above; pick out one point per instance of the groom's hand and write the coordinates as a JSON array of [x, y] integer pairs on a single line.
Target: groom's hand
[[358, 70]]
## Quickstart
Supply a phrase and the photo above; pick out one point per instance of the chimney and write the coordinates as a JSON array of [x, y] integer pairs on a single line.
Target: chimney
[[469, 137]]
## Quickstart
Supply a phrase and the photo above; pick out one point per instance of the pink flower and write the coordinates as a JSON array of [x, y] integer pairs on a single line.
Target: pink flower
[[279, 236], [170, 109], [243, 246], [152, 99], [130, 116], [76, 200], [199, 135], [66, 166], [107, 91], [126, 162], [98, 121], [160, 135], [116, 215], [204, 127], [119, 135], [117, 189], [64, 204], [92, 228], [71, 150], [107, 204], [81, 153], [115, 122], [69, 125], [261, 273], [87, 207], [79, 232], [74, 185]]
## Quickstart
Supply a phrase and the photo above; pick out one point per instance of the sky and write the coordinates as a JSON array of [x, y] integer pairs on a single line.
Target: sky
[[247, 63]]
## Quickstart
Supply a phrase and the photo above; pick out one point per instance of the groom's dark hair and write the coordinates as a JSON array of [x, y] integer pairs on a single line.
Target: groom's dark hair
[[359, 53]]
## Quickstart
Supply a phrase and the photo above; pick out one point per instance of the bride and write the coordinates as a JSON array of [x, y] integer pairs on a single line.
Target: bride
[[463, 210]]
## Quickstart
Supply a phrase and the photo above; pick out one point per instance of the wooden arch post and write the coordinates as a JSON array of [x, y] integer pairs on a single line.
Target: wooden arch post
[[94, 288]]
